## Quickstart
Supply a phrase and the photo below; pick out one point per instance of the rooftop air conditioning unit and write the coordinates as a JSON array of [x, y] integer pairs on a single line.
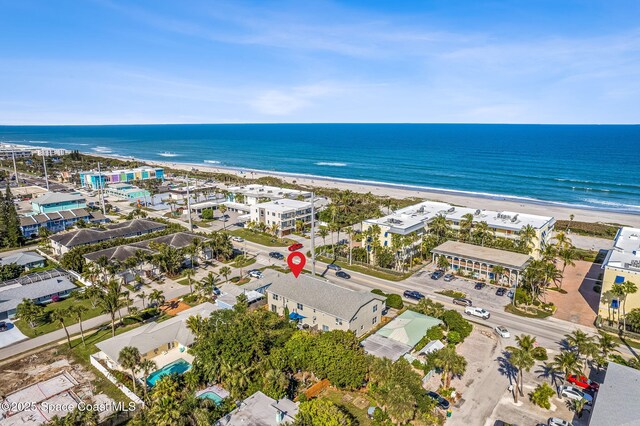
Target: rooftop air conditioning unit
[[477, 213]]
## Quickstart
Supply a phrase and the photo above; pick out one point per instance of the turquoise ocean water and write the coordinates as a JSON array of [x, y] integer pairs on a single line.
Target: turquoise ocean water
[[594, 166]]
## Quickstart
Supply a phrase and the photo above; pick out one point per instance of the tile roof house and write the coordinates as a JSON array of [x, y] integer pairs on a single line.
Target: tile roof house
[[27, 259], [320, 304], [40, 287], [261, 410], [62, 243]]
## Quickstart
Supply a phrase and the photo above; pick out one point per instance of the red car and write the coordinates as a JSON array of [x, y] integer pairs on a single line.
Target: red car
[[583, 382], [294, 247]]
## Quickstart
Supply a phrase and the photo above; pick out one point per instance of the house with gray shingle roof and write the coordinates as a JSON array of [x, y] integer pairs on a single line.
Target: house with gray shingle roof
[[27, 259], [41, 287], [323, 305]]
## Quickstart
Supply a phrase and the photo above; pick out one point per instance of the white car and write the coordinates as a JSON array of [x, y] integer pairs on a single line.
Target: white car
[[502, 332], [554, 421], [255, 273], [237, 239], [478, 312], [575, 393]]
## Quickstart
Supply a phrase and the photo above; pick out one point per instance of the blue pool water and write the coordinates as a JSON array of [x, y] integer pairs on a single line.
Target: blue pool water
[[212, 396], [593, 166], [179, 366]]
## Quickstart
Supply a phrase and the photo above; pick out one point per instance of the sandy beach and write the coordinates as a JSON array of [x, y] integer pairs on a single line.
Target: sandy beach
[[559, 212]]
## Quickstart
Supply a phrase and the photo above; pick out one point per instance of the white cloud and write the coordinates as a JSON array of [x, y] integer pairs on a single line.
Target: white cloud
[[285, 102]]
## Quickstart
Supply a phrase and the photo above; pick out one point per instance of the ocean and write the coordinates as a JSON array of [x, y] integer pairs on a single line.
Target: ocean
[[589, 166]]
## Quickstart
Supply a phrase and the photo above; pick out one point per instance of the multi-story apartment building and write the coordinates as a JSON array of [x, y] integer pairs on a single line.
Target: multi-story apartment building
[[417, 219], [126, 191], [622, 264], [57, 221], [254, 194], [95, 180], [282, 213], [51, 202], [324, 306]]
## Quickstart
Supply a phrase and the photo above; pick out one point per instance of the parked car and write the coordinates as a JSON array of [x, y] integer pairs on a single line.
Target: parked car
[[502, 331], [415, 295], [436, 275], [255, 273], [334, 267], [572, 392], [276, 255], [449, 277], [501, 291], [296, 246], [462, 301], [555, 421], [479, 286], [343, 274], [583, 382], [510, 294], [237, 239], [216, 291], [477, 312], [3, 326], [442, 402]]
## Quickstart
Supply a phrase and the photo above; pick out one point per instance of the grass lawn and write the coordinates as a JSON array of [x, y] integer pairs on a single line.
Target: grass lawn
[[81, 354], [452, 293], [521, 313], [359, 414], [261, 238], [366, 271], [48, 327], [185, 281]]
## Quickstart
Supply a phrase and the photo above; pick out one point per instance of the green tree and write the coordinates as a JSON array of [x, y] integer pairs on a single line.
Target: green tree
[[76, 311], [147, 366], [568, 363], [129, 358], [394, 301], [60, 315], [111, 302], [189, 273], [521, 360], [225, 271], [29, 312], [74, 260], [322, 412], [451, 364], [541, 394]]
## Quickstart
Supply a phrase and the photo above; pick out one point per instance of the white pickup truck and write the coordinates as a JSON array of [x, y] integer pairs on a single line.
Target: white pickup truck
[[478, 312]]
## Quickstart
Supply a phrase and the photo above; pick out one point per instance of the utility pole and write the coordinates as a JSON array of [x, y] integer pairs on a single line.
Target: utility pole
[[44, 163], [313, 235], [101, 190], [15, 168], [189, 206]]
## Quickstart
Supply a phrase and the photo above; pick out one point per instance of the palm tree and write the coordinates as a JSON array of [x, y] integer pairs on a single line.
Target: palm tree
[[147, 366], [498, 271], [482, 232], [567, 255], [274, 228], [563, 242], [196, 324], [618, 291], [566, 362], [157, 297], [629, 288], [142, 295], [225, 271], [350, 233], [111, 302], [61, 315], [129, 358], [450, 363], [522, 360], [323, 232], [527, 235], [209, 283], [606, 344], [439, 226], [223, 210], [523, 356], [466, 225], [76, 311], [580, 342], [188, 273]]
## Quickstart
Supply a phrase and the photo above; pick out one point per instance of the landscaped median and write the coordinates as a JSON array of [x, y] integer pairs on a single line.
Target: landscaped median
[[261, 238], [389, 276]]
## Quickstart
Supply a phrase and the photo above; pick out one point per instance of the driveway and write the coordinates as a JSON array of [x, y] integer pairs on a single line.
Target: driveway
[[11, 336]]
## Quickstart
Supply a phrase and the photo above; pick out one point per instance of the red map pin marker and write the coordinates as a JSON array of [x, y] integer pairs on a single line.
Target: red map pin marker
[[296, 268]]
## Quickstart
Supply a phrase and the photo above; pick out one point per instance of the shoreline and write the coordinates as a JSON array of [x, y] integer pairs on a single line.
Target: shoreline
[[461, 198]]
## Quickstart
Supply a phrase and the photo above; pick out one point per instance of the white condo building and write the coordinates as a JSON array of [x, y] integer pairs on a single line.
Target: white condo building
[[284, 213]]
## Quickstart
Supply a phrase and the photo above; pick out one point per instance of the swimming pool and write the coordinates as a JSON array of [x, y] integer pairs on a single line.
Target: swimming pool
[[212, 396], [178, 366]]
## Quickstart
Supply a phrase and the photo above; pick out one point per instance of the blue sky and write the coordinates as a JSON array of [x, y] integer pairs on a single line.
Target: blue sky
[[111, 61]]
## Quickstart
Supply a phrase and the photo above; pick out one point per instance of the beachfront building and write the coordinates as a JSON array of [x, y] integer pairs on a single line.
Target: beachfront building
[[281, 214], [321, 305], [58, 221], [260, 409], [255, 194], [40, 287], [8, 152], [481, 262], [62, 243], [51, 152], [126, 191], [415, 221], [51, 202], [621, 264], [164, 342], [95, 180]]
